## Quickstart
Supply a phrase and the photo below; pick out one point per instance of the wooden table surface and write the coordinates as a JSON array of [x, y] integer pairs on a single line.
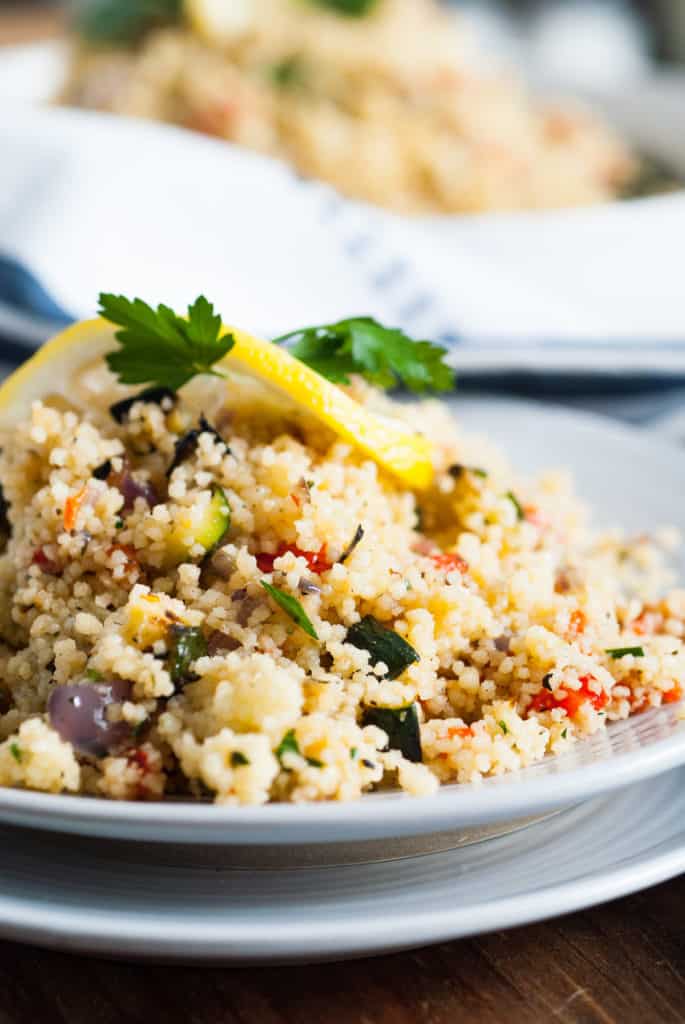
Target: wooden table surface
[[623, 962]]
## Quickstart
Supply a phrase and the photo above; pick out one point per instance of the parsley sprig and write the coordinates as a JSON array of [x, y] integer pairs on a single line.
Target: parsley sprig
[[159, 347], [156, 346], [385, 356]]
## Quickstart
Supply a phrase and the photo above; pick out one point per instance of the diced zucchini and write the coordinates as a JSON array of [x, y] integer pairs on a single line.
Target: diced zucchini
[[206, 529]]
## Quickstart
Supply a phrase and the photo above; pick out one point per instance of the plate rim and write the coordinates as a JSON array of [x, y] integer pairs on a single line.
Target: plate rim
[[329, 937]]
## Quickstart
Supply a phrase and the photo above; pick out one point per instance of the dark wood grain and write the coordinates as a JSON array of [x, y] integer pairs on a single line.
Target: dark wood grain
[[616, 964]]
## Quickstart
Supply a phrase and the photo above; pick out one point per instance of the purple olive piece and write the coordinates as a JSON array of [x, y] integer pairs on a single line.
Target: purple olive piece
[[78, 712]]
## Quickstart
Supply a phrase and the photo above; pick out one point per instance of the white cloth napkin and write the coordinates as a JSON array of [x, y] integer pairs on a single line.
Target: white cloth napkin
[[91, 203]]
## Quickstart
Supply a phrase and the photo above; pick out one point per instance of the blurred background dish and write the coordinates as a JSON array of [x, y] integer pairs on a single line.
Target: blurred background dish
[[387, 100]]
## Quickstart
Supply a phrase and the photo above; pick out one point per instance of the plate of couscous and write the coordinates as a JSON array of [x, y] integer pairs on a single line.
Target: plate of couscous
[[246, 596]]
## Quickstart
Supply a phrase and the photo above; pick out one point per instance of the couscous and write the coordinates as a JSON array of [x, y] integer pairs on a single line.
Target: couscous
[[207, 592], [382, 99]]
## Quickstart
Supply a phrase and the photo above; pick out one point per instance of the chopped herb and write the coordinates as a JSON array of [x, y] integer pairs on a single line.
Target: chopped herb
[[383, 644], [186, 644], [384, 356], [353, 752], [419, 523], [564, 734], [401, 726], [621, 652], [358, 534], [289, 745], [503, 727], [288, 73], [546, 681], [102, 472], [520, 514], [350, 8], [186, 445], [119, 524], [94, 675], [158, 347], [292, 607], [238, 759], [123, 21], [477, 471], [140, 728], [15, 751], [120, 410]]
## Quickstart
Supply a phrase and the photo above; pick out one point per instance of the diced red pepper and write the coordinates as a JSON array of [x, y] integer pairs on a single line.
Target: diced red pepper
[[462, 731], [673, 695], [449, 560], [45, 563], [316, 560], [572, 699]]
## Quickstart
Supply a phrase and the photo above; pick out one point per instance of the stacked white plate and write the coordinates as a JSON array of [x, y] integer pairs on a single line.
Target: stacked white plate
[[284, 882]]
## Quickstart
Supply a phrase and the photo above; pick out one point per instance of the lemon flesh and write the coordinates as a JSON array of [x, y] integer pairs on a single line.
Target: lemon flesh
[[219, 21], [404, 454]]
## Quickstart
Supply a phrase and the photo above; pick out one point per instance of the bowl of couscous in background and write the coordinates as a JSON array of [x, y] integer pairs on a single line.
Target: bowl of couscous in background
[[383, 100]]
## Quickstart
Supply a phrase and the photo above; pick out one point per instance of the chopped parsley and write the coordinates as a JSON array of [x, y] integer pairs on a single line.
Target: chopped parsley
[[287, 73], [385, 356], [289, 745], [353, 752], [401, 726], [238, 759], [383, 644], [621, 652], [564, 734], [94, 675], [292, 607], [503, 727], [15, 751], [520, 514], [123, 21], [158, 347], [351, 8]]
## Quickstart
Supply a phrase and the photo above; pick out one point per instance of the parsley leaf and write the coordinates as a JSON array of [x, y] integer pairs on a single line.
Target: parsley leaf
[[352, 8], [292, 607], [620, 652], [385, 356], [159, 347], [123, 21]]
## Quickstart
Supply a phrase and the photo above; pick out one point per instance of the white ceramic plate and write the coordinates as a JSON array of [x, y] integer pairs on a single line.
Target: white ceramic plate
[[125, 900], [631, 479]]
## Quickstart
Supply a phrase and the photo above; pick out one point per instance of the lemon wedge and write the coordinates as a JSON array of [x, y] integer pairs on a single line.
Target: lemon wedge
[[219, 21], [404, 454]]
